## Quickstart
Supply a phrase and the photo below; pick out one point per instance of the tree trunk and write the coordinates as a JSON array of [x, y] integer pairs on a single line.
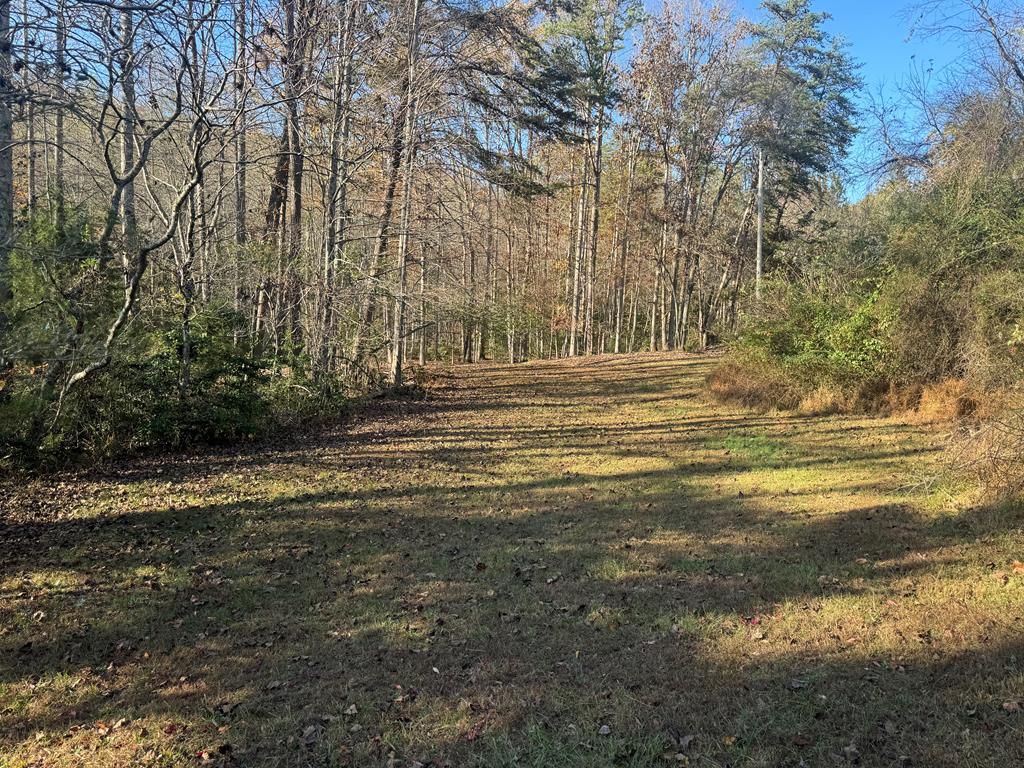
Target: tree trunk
[[30, 117], [380, 247], [128, 223], [6, 176], [579, 252], [422, 352], [337, 182], [409, 133], [620, 273], [241, 234], [60, 64], [277, 199], [673, 306], [655, 304], [588, 328], [294, 240], [691, 272]]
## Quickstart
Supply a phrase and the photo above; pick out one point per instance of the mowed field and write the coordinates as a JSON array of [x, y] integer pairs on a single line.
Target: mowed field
[[576, 563]]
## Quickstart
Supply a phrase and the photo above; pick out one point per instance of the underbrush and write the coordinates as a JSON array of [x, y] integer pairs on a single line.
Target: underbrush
[[987, 427], [992, 452], [908, 345], [147, 399], [808, 354], [753, 382]]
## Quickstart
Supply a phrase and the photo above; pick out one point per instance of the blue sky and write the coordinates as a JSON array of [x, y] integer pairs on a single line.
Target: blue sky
[[880, 39]]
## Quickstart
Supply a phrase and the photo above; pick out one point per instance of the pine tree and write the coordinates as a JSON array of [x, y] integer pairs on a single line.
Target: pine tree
[[803, 113]]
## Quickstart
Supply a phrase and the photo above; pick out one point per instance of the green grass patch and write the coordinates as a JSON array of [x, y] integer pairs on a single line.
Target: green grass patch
[[752, 448]]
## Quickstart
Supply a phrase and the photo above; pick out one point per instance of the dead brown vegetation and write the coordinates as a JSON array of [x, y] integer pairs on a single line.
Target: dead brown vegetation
[[987, 440], [991, 451], [762, 387]]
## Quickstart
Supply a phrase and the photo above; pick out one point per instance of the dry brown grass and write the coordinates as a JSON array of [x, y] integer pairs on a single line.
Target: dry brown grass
[[991, 450], [763, 386], [987, 442], [900, 399], [753, 385], [823, 401], [947, 401]]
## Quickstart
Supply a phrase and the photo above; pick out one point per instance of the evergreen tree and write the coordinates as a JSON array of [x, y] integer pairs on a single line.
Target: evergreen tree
[[803, 116]]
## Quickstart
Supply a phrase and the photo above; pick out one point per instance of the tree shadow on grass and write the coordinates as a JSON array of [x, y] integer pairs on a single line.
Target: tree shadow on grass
[[502, 618]]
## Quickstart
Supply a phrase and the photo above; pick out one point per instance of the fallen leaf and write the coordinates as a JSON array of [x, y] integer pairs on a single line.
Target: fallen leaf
[[604, 730], [686, 742], [851, 752]]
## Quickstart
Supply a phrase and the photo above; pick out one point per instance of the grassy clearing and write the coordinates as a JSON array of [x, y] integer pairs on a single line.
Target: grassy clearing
[[555, 564]]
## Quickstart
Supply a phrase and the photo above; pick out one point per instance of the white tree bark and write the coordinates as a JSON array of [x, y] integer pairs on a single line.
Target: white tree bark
[[398, 337], [6, 169]]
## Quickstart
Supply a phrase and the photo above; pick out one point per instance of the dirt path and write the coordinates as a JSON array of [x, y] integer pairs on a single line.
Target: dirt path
[[554, 564]]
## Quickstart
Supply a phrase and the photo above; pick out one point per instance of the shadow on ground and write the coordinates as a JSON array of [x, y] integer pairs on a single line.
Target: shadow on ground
[[554, 564]]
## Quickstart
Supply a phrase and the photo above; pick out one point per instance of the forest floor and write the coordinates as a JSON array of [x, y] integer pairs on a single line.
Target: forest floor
[[554, 564]]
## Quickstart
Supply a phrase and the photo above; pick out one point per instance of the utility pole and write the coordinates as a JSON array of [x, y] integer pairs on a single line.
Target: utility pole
[[759, 264]]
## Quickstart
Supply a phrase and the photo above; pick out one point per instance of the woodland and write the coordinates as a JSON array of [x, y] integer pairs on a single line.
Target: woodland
[[509, 383], [222, 219]]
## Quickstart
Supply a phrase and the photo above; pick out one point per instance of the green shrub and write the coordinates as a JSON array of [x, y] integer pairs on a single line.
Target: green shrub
[[139, 402], [878, 342], [994, 338], [924, 329], [818, 342]]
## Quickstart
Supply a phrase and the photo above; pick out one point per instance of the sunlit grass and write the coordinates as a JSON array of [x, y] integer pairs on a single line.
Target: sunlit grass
[[750, 447], [619, 574]]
